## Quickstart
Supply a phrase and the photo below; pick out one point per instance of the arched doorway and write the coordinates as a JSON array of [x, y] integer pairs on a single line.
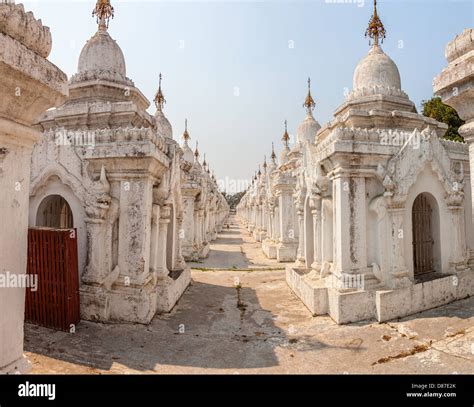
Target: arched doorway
[[54, 212], [426, 239]]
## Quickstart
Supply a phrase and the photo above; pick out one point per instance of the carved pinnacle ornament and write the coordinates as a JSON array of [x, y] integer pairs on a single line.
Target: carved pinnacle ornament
[[286, 136], [196, 152], [103, 11], [186, 136], [159, 97], [273, 156], [309, 103], [376, 29]]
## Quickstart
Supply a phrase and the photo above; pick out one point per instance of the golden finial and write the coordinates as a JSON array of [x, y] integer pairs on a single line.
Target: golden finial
[[186, 134], [196, 152], [376, 30], [309, 103], [286, 136], [159, 97], [273, 156], [103, 11]]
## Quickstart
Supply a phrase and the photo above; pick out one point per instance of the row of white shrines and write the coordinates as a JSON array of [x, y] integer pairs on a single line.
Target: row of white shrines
[[85, 154], [374, 211]]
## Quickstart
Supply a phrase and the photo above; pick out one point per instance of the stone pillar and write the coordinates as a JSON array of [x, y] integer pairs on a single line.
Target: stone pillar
[[458, 243], [398, 270], [135, 226], [179, 262], [316, 212], [350, 246], [326, 231], [300, 259], [287, 229], [188, 226], [95, 272], [165, 219], [155, 259], [29, 86]]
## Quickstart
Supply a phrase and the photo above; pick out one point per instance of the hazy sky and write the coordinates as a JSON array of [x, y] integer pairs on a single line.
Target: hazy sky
[[238, 69]]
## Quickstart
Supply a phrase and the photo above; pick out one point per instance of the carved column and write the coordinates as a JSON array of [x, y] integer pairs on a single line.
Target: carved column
[[155, 259], [350, 246], [326, 231], [316, 212], [398, 269], [300, 253], [95, 270], [165, 219], [458, 242]]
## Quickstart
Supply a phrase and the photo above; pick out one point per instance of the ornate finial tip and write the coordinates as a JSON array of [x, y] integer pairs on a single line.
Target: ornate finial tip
[[376, 30], [103, 12], [159, 100], [286, 136], [309, 103], [186, 136]]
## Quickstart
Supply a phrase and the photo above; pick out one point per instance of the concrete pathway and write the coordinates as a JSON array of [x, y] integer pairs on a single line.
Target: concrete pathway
[[239, 316]]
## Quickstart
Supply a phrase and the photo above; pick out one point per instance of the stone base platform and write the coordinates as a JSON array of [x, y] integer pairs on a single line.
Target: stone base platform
[[270, 249], [133, 304], [169, 293], [319, 296], [286, 252], [204, 252]]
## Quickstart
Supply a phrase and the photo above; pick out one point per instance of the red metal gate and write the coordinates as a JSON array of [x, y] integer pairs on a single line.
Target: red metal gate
[[52, 257]]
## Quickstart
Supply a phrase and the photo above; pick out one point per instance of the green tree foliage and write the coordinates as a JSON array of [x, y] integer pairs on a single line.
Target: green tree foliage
[[233, 199], [436, 109]]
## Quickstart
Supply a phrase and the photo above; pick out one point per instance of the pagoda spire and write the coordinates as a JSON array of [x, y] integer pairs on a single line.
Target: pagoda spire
[[103, 12], [273, 156], [196, 152], [286, 136], [309, 103], [376, 30], [186, 136], [159, 97], [265, 164]]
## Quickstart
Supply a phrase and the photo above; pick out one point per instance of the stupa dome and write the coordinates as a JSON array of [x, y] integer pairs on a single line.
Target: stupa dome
[[307, 129], [377, 70], [101, 58]]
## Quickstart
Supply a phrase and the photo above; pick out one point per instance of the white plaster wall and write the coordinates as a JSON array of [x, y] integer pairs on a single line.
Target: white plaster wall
[[13, 249], [54, 186]]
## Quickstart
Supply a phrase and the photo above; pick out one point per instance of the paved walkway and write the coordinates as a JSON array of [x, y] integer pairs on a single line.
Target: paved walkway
[[239, 316]]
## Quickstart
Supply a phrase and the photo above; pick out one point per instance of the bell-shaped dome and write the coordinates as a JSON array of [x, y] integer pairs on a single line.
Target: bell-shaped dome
[[307, 129], [163, 125], [377, 70], [101, 58], [188, 153], [284, 155]]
